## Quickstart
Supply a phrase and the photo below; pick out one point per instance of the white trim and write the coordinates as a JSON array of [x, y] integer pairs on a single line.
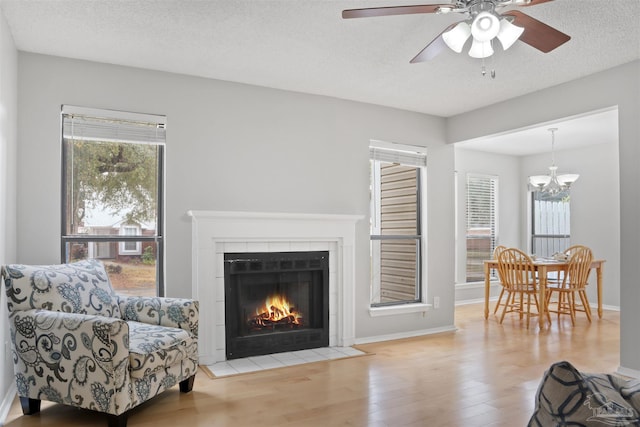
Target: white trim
[[7, 401], [476, 285], [392, 310], [402, 335], [628, 372], [473, 301]]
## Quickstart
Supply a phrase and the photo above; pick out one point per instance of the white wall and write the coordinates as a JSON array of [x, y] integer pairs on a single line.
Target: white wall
[[507, 169], [595, 206], [8, 107], [619, 86], [239, 148]]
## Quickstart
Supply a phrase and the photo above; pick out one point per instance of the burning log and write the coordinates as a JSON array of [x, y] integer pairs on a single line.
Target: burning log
[[277, 313]]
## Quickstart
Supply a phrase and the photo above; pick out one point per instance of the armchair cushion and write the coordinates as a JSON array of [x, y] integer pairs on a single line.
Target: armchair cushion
[[154, 347], [82, 287]]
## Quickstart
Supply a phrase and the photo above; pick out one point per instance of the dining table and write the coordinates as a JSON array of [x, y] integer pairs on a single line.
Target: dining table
[[543, 267]]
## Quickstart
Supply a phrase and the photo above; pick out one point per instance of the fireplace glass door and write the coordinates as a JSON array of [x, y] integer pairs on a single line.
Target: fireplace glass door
[[275, 302]]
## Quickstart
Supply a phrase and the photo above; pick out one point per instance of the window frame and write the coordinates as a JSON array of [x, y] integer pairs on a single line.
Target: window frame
[[563, 240], [404, 156], [66, 240]]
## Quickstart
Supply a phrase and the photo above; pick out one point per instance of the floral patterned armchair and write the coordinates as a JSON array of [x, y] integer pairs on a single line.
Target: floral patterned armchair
[[76, 342]]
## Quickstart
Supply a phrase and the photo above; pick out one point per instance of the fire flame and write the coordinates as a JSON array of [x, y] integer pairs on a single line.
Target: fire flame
[[277, 309]]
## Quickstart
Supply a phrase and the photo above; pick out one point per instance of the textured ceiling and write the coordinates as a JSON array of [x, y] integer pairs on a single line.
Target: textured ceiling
[[305, 46]]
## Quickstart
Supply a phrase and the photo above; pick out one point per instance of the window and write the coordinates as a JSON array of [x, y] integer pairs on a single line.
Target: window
[[130, 247], [482, 222], [396, 226], [550, 223], [112, 195]]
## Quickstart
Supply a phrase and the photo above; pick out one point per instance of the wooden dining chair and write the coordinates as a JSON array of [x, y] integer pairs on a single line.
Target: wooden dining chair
[[559, 275], [518, 275], [571, 249], [575, 281], [496, 251]]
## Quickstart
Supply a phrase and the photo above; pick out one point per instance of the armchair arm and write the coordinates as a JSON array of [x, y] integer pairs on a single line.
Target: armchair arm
[[75, 359], [173, 312]]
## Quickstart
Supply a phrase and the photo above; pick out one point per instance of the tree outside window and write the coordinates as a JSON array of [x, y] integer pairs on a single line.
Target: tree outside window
[[112, 196]]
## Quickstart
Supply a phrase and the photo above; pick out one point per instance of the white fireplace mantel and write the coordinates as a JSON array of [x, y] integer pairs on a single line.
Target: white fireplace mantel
[[215, 233]]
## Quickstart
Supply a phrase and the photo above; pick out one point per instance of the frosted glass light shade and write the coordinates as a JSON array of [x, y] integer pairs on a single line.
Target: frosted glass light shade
[[508, 33], [485, 27], [456, 37], [539, 180], [568, 178], [480, 49]]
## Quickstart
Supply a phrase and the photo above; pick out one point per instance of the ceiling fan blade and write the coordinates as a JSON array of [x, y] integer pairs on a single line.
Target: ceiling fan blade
[[436, 46], [392, 10], [534, 2], [537, 34]]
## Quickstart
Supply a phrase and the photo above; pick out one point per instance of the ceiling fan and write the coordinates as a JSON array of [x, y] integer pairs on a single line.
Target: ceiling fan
[[483, 24]]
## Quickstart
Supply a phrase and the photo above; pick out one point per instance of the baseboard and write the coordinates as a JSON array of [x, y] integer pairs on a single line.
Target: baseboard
[[474, 301], [401, 335], [6, 403], [627, 372]]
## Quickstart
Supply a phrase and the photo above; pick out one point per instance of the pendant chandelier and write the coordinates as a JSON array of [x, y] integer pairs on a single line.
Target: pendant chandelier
[[553, 184]]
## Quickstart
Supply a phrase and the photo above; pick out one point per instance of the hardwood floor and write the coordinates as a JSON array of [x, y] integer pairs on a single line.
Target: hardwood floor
[[484, 374]]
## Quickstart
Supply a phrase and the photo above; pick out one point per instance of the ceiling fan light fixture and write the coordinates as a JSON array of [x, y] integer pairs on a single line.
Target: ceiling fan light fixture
[[456, 37], [485, 27], [480, 49], [508, 33]]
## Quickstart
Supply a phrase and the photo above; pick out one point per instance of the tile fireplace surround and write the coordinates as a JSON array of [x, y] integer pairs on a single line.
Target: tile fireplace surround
[[215, 233]]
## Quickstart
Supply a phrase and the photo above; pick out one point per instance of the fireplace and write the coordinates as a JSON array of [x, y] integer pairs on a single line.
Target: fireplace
[[275, 302], [216, 233]]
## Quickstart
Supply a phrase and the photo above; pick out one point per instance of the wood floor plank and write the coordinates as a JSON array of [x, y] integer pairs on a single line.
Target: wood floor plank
[[483, 374]]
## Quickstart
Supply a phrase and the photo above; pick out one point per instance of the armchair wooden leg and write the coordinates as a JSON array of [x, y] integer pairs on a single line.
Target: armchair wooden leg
[[117, 420], [29, 406], [187, 385]]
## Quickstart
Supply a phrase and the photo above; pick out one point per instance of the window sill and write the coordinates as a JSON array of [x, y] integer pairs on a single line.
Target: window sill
[[399, 309]]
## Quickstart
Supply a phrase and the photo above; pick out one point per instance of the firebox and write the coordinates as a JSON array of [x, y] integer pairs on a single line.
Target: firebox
[[275, 302]]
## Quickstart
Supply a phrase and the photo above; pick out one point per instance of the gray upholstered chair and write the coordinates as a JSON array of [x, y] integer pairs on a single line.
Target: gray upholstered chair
[[76, 342]]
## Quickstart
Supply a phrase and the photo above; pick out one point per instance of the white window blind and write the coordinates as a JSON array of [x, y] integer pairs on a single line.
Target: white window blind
[[407, 158], [84, 124], [481, 222]]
